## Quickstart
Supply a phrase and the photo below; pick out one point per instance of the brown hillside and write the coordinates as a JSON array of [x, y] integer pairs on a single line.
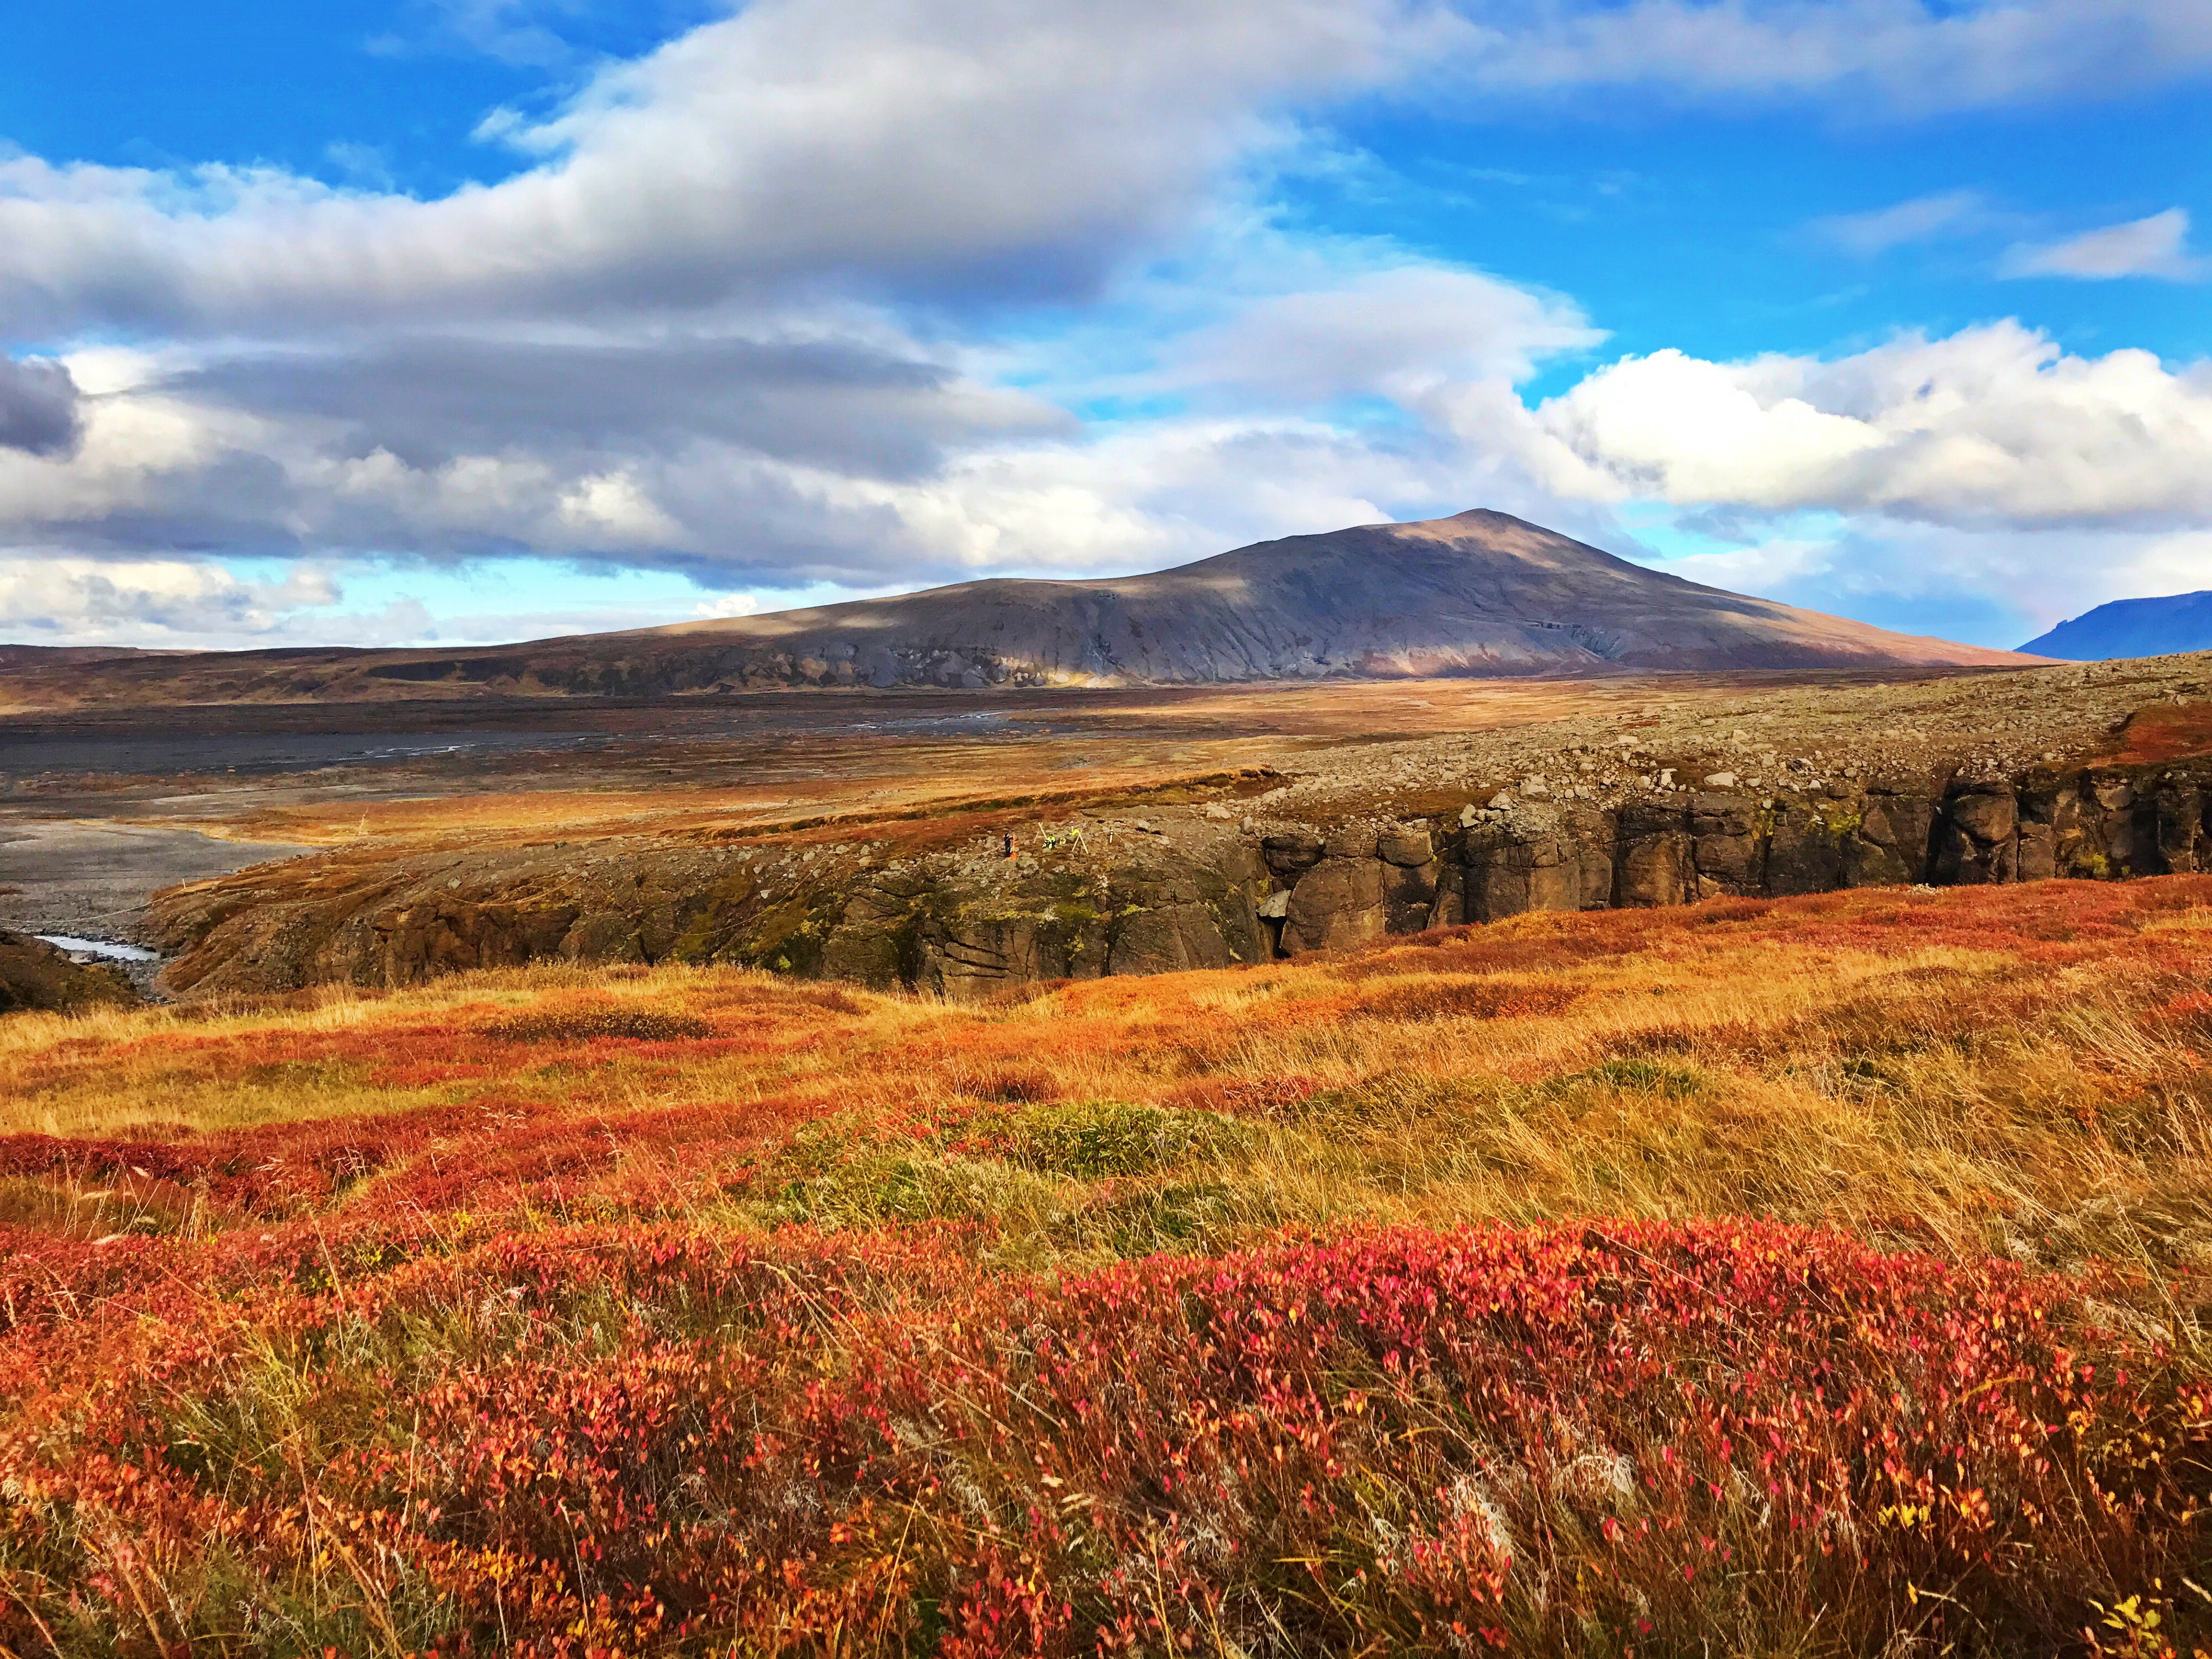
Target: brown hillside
[[1479, 593]]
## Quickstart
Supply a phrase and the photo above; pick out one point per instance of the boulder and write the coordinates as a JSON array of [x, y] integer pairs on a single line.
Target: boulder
[[1291, 853], [1349, 842], [1408, 848], [1977, 839], [965, 958], [1726, 845], [1448, 908], [1540, 859], [1409, 896], [1805, 848], [1336, 903], [1167, 939], [876, 939], [1654, 860], [1890, 845], [2178, 826]]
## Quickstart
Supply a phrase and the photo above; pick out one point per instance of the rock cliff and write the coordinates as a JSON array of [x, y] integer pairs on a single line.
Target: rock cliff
[[1695, 790], [1186, 886]]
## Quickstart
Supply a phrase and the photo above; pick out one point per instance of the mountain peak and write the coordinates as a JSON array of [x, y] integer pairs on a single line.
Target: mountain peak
[[2131, 628], [1479, 593]]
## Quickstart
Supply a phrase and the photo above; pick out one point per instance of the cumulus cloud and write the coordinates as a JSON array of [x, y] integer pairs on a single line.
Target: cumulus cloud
[[1991, 425], [761, 306], [60, 599], [2156, 247], [902, 146], [828, 447], [1400, 332], [894, 146], [38, 407]]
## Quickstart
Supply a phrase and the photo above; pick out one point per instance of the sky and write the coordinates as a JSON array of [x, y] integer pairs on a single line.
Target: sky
[[411, 321]]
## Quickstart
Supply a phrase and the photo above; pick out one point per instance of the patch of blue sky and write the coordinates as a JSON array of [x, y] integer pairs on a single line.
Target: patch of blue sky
[[1705, 231], [355, 93]]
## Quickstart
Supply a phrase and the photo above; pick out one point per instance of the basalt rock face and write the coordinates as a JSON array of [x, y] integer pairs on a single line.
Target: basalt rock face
[[1184, 889], [948, 926], [2098, 823], [962, 925]]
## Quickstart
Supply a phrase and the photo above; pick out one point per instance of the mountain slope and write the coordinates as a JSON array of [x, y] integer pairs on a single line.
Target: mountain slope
[[2131, 628], [1479, 593]]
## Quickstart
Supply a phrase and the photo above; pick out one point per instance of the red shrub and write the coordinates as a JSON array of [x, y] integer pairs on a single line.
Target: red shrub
[[1628, 1436]]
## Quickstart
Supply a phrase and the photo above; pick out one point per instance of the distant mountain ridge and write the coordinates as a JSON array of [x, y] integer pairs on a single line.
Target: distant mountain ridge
[[1479, 593], [2131, 628]]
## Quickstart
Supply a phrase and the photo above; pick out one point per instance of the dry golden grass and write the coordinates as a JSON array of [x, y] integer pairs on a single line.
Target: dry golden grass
[[2018, 1070], [324, 1326]]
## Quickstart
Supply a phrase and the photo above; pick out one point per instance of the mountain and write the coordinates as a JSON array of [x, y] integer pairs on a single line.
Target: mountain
[[1479, 593], [2131, 628]]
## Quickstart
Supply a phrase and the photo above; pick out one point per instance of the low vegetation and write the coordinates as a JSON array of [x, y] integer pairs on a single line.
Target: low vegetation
[[1814, 1276]]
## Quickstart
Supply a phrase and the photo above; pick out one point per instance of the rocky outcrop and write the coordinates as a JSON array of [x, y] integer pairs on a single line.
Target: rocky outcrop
[[1673, 848], [961, 924], [34, 974], [1676, 848], [944, 925], [1111, 894]]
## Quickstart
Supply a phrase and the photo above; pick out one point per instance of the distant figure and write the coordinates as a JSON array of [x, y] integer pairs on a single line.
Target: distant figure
[[1010, 843]]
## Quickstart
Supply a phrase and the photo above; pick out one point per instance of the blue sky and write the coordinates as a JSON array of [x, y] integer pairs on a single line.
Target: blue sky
[[477, 318]]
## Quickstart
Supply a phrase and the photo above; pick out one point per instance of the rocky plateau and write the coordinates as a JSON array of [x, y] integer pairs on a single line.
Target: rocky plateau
[[2100, 772]]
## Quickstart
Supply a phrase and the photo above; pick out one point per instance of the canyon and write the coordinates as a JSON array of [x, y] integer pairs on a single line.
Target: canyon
[[1698, 790]]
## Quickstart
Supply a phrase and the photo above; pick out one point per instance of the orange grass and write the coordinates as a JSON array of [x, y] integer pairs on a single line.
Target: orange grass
[[1928, 1065], [279, 1378]]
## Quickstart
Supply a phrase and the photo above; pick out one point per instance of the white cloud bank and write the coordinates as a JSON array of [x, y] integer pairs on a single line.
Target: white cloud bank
[[59, 599], [1991, 426]]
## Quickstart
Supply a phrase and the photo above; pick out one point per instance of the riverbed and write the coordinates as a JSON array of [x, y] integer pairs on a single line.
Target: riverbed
[[90, 882]]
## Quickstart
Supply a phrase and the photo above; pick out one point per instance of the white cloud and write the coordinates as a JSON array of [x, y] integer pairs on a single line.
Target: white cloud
[[2156, 247], [728, 604], [905, 146], [1895, 58], [1923, 219], [1400, 332], [899, 145], [59, 599], [852, 454], [1993, 425]]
